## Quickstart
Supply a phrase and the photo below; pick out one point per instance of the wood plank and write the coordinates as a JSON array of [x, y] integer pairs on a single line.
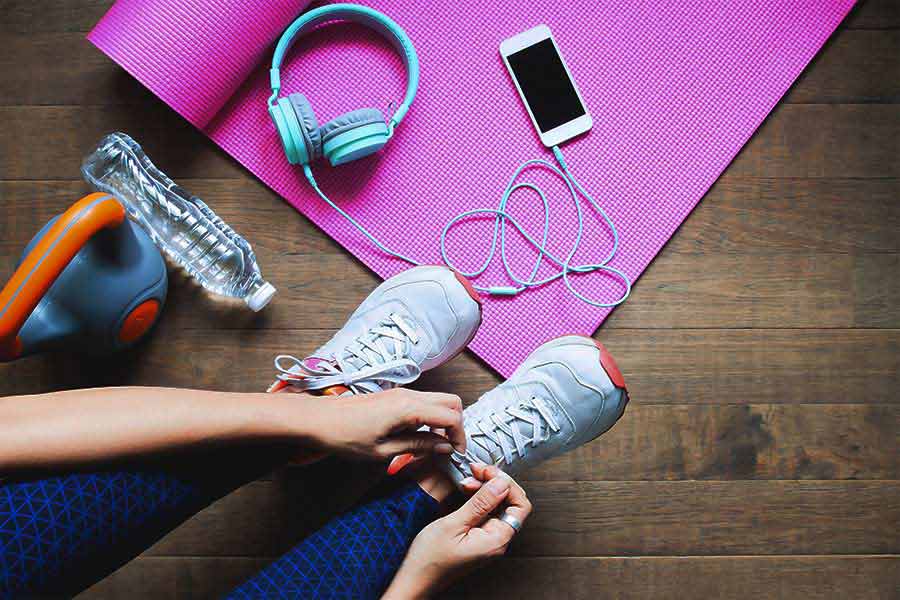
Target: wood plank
[[877, 285], [852, 68], [752, 216], [659, 578], [747, 366], [738, 442], [65, 69], [68, 133], [746, 216], [797, 140], [22, 16], [733, 442], [688, 366], [746, 517], [604, 519], [152, 578], [799, 233], [824, 140], [724, 578], [716, 442], [796, 291], [874, 14], [702, 279]]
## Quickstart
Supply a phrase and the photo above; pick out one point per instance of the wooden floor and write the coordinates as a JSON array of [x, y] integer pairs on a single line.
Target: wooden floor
[[759, 454]]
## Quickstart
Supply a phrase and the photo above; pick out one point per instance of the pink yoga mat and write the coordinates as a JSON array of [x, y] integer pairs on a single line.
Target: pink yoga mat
[[675, 89]]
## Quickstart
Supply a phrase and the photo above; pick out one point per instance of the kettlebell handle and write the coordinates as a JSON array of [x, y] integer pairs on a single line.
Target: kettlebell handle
[[49, 257]]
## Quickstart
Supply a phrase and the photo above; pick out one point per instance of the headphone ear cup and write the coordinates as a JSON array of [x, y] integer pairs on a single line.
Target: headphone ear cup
[[308, 125], [288, 130], [353, 135]]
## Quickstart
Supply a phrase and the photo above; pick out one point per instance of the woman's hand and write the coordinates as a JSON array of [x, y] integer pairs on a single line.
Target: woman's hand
[[384, 424], [463, 540]]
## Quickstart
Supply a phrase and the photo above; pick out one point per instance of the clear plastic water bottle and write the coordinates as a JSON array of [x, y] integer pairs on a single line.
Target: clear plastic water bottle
[[180, 224]]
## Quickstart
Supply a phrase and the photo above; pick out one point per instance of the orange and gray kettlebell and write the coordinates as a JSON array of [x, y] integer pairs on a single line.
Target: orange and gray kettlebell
[[90, 280]]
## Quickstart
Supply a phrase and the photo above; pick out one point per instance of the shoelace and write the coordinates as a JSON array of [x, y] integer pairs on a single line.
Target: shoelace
[[377, 360], [501, 427]]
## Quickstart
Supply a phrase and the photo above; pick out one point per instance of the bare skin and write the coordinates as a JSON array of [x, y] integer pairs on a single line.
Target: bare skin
[[83, 426]]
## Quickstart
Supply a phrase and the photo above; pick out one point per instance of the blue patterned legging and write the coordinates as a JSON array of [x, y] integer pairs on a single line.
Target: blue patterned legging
[[61, 534]]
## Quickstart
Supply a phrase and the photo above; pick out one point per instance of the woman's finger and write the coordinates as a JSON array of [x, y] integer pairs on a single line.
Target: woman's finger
[[415, 442], [479, 471], [398, 463], [451, 401], [500, 533], [470, 485], [517, 503], [479, 507], [517, 499], [432, 413]]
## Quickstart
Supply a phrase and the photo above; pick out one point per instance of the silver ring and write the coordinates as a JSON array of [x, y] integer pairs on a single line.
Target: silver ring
[[511, 521]]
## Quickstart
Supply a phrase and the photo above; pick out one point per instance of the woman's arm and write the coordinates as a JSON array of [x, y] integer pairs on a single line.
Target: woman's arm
[[66, 428], [462, 541]]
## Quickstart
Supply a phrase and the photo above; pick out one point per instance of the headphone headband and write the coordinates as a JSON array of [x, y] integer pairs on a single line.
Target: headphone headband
[[357, 14]]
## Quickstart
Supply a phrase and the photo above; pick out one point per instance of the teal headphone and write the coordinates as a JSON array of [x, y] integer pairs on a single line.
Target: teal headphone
[[355, 134]]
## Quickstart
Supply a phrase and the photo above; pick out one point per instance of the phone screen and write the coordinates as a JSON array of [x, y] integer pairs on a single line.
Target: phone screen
[[546, 85]]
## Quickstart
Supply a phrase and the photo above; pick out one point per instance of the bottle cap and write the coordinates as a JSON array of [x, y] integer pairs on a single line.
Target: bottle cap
[[261, 297]]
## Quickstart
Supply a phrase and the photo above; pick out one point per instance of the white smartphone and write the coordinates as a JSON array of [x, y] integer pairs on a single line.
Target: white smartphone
[[545, 85]]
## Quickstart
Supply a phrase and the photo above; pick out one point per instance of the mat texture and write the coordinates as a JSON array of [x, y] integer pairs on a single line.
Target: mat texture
[[675, 89]]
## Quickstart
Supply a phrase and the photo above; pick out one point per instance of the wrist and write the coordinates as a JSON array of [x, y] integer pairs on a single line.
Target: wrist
[[403, 587], [286, 417], [436, 484]]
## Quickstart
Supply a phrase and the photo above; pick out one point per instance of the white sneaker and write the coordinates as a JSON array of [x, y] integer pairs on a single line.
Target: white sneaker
[[412, 322], [566, 393]]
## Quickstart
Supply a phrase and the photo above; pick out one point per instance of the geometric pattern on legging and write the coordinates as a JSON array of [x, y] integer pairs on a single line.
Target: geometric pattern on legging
[[354, 556], [54, 524]]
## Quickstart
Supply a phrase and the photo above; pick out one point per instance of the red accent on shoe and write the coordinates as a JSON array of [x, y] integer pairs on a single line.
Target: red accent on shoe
[[473, 293], [609, 365]]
